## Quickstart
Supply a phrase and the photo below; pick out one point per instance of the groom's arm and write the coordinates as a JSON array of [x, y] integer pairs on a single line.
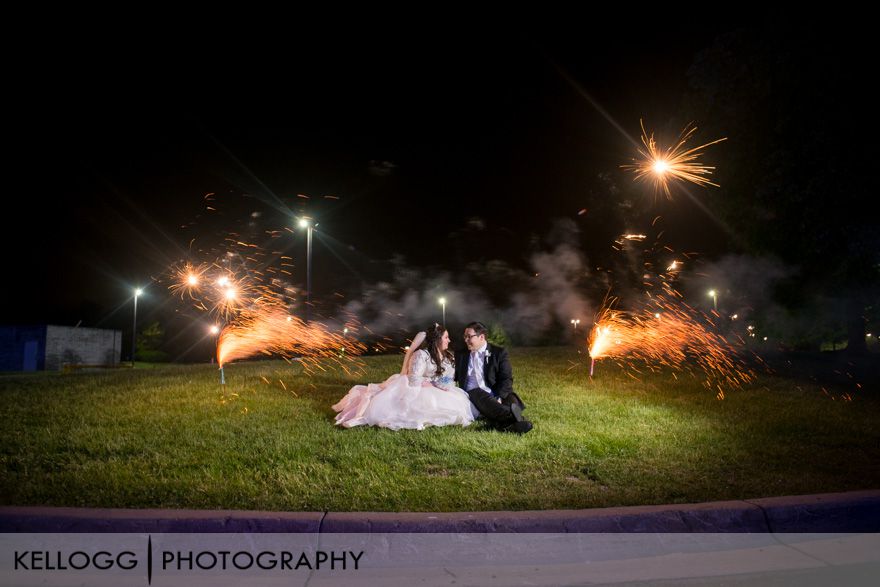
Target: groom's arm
[[504, 382], [460, 371]]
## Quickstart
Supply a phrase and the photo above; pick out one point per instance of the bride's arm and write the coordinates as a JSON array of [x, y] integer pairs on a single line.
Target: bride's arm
[[417, 368]]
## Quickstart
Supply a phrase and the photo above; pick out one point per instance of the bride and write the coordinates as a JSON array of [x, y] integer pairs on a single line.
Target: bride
[[422, 394]]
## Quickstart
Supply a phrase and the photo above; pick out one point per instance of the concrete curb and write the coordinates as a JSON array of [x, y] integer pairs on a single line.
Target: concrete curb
[[856, 511]]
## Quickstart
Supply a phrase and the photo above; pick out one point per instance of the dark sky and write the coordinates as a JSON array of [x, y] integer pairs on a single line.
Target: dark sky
[[113, 147]]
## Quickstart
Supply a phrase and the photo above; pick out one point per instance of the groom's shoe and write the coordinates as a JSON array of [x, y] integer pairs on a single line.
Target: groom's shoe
[[520, 427], [516, 412]]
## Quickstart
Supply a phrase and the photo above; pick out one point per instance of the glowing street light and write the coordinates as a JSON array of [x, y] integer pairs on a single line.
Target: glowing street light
[[214, 330], [575, 323], [443, 303], [137, 292], [714, 295]]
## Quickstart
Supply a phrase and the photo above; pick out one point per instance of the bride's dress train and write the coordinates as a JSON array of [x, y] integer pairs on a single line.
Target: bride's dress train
[[416, 400]]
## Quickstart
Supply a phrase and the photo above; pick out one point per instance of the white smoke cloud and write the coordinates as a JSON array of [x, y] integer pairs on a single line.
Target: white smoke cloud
[[537, 302]]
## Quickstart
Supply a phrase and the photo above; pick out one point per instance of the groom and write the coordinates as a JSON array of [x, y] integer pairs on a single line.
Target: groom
[[484, 372]]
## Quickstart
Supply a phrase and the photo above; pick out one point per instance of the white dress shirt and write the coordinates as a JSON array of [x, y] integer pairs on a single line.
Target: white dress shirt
[[476, 369]]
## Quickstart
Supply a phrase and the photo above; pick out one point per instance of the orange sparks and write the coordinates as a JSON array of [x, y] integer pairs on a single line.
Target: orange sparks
[[188, 279], [676, 162], [668, 332]]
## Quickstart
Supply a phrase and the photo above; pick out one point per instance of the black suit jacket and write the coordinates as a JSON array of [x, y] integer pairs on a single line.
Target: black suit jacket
[[497, 373]]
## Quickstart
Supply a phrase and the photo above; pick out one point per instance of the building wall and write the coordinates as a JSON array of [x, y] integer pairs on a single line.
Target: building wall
[[13, 341], [82, 346]]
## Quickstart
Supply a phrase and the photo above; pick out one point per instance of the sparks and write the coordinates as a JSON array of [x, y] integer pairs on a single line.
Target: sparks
[[676, 162], [684, 340], [187, 279], [254, 306]]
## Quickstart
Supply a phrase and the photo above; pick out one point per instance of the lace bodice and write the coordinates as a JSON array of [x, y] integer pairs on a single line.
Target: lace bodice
[[423, 368]]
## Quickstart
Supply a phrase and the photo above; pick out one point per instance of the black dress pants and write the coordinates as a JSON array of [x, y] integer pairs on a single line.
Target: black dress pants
[[489, 407]]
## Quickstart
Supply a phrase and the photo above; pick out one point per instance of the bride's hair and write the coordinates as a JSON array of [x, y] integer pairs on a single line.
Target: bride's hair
[[433, 336]]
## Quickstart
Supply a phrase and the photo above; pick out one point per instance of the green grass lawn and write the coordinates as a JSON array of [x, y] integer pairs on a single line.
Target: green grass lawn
[[172, 437]]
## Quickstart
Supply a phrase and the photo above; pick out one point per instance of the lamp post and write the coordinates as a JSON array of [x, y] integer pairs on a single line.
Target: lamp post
[[306, 222], [214, 330], [575, 323], [714, 295], [443, 304], [137, 292]]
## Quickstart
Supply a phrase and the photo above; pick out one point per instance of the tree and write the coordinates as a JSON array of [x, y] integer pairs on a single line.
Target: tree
[[149, 344], [792, 182]]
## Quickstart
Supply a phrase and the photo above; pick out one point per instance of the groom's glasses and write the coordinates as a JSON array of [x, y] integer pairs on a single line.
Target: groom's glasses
[[470, 336]]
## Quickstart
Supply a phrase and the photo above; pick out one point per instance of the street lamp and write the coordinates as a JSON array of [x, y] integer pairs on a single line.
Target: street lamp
[[306, 222], [575, 323], [137, 292], [714, 295], [443, 303], [214, 330]]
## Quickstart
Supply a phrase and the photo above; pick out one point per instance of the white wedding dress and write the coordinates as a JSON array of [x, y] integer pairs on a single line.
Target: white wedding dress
[[415, 400]]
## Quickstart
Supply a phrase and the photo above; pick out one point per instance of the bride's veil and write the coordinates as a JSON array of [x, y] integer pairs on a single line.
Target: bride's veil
[[416, 343]]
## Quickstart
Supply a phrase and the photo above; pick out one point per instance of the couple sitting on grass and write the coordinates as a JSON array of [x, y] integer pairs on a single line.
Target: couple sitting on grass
[[424, 393]]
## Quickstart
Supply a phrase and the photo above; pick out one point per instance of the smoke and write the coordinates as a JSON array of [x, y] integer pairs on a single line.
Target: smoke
[[555, 297], [531, 304], [768, 296], [744, 286]]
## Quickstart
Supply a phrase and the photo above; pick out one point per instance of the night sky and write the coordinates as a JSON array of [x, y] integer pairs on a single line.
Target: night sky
[[114, 146]]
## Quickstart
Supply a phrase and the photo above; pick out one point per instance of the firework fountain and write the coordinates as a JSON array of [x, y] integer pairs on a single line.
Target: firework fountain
[[246, 290], [665, 330]]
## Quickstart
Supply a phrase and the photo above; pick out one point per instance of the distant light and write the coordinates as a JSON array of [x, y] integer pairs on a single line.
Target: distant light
[[345, 331], [868, 335], [657, 315], [215, 329], [442, 301], [734, 317], [289, 318], [303, 223], [750, 327], [765, 338], [138, 292], [712, 293]]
